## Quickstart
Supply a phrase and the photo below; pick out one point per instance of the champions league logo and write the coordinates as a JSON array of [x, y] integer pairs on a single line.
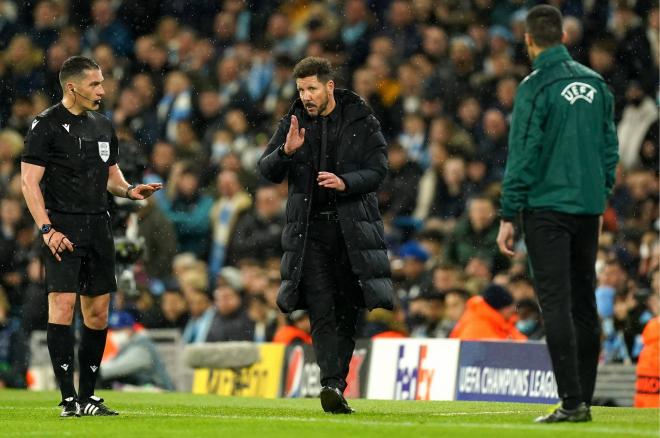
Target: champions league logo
[[578, 90]]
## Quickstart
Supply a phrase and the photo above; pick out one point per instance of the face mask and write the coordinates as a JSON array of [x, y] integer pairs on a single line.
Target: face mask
[[600, 264], [416, 319], [636, 100], [219, 150], [526, 326]]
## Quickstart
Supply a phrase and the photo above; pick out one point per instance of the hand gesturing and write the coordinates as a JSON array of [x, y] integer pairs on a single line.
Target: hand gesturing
[[57, 242], [294, 138]]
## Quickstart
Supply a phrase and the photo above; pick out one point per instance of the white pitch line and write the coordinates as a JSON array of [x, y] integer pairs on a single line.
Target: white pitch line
[[352, 420], [455, 414]]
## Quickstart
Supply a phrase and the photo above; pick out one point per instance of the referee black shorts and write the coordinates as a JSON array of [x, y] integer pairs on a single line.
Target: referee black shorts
[[90, 269]]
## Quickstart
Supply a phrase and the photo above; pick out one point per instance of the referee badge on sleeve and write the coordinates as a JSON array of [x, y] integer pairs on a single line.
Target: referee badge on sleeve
[[104, 150]]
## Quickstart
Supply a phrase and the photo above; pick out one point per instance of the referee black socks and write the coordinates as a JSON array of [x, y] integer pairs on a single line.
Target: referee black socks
[[60, 347], [90, 353]]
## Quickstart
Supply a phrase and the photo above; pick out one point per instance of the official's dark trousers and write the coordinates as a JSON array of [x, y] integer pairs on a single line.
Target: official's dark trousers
[[332, 294], [562, 251]]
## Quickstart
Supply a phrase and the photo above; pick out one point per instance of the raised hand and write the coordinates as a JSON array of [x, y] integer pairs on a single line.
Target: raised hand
[[143, 191], [294, 138]]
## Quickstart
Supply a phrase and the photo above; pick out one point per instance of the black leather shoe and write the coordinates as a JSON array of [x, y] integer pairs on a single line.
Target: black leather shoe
[[578, 415], [333, 401]]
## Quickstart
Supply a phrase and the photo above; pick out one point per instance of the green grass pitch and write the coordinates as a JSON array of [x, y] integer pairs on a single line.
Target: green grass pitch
[[34, 414]]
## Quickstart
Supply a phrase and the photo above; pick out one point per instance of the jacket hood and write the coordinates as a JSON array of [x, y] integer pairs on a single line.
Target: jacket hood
[[480, 309]]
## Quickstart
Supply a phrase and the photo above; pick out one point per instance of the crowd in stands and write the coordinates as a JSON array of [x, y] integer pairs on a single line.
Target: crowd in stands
[[196, 88]]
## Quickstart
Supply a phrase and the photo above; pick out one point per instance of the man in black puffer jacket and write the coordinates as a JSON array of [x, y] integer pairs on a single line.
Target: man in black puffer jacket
[[333, 153]]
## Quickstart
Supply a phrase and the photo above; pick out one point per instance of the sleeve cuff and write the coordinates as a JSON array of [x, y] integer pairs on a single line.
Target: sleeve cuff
[[35, 161], [282, 154]]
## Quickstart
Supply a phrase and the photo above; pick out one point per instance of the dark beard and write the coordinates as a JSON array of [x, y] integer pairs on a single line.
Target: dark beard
[[321, 108]]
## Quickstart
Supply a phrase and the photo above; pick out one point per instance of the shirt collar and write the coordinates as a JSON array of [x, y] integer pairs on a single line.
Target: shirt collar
[[551, 55], [68, 116]]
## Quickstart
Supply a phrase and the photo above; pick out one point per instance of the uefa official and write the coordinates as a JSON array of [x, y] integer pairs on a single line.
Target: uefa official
[[559, 172], [69, 165]]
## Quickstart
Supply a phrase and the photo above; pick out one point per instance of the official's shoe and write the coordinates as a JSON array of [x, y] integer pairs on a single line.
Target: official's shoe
[[70, 408], [94, 406], [578, 415], [332, 400]]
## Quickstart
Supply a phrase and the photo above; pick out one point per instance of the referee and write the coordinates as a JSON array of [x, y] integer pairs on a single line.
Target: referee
[[71, 153], [559, 172]]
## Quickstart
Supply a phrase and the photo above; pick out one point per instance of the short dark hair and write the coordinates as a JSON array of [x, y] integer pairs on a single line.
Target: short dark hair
[[313, 66], [544, 25], [76, 66]]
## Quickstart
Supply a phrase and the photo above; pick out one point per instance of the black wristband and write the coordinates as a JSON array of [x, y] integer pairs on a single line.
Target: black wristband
[[128, 189], [282, 153]]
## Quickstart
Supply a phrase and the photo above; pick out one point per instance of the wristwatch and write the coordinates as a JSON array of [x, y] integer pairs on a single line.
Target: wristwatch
[[45, 228], [128, 189]]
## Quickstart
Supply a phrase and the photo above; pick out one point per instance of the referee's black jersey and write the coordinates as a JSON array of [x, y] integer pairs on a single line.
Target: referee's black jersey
[[77, 152]]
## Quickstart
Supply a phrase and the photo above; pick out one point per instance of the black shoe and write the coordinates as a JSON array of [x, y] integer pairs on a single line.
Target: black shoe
[[94, 406], [578, 415], [333, 401], [70, 408]]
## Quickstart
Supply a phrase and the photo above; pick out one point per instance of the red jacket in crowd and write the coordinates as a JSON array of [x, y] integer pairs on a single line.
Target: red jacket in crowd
[[647, 389], [480, 322]]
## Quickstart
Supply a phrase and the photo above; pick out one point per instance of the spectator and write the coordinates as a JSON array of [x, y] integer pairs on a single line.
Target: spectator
[[356, 32], [189, 211], [13, 354], [230, 322], [415, 278], [35, 302], [137, 362], [412, 138], [639, 114], [159, 240], [493, 147], [173, 311], [529, 320], [475, 235], [383, 323], [265, 323], [455, 303], [489, 316], [602, 60], [521, 288], [397, 194], [441, 196], [648, 368], [176, 104], [426, 315], [22, 61], [106, 28], [258, 232], [46, 16], [231, 202], [11, 146], [445, 277], [401, 29], [296, 331], [202, 313], [365, 84]]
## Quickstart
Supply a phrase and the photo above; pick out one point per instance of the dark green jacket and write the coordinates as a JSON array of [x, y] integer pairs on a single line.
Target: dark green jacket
[[563, 148], [465, 243]]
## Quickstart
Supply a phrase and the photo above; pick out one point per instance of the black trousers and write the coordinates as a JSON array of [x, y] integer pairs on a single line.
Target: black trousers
[[333, 298], [562, 252]]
